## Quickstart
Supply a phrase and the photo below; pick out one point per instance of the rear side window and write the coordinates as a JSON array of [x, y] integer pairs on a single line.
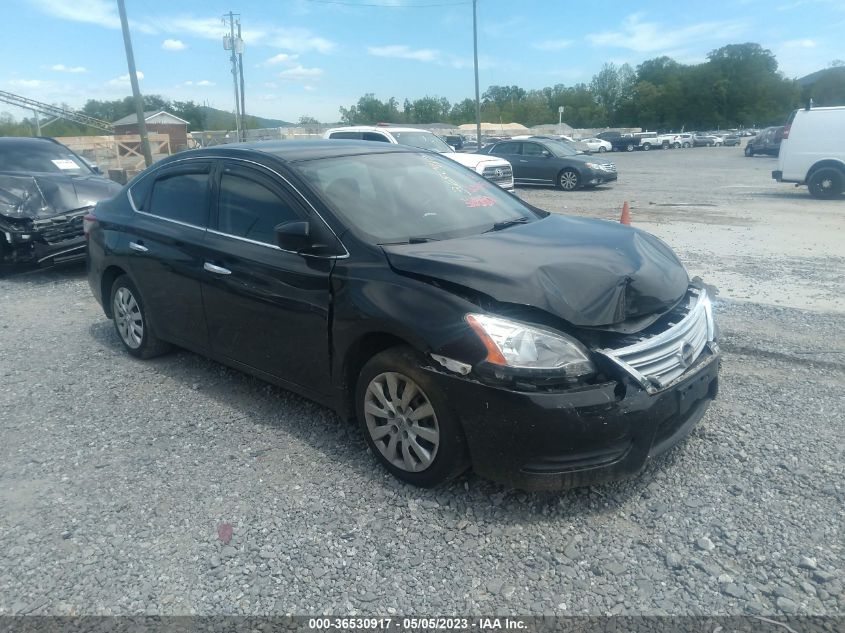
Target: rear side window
[[352, 135], [251, 210], [506, 149], [183, 197], [374, 136]]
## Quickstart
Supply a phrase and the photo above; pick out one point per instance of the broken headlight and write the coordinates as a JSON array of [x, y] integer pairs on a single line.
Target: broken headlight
[[527, 347]]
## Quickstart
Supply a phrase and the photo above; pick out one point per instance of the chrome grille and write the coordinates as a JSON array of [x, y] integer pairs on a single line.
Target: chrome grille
[[657, 361], [498, 174]]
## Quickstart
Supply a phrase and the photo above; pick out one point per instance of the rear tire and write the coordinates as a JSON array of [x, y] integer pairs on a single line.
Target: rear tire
[[677, 145], [687, 145], [602, 150], [665, 145], [826, 183], [646, 147], [407, 421], [629, 147], [131, 323]]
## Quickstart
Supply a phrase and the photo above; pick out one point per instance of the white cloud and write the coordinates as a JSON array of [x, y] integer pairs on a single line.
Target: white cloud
[[553, 45], [203, 83], [28, 83], [405, 52], [123, 80], [648, 37], [211, 28], [300, 41], [281, 58], [310, 88], [99, 12], [806, 43], [298, 73], [270, 84], [173, 45], [61, 68]]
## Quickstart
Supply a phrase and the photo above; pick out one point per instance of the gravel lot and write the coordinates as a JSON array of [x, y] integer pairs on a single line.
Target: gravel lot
[[116, 475]]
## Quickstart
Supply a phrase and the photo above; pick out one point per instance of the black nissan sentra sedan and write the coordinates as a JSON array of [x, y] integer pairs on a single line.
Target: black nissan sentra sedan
[[461, 326]]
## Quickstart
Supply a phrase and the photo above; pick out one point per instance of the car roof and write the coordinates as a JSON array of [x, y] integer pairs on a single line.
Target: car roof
[[294, 151], [376, 128], [27, 141]]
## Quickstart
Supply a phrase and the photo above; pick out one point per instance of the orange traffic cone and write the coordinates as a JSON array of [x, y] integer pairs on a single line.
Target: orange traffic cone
[[626, 214]]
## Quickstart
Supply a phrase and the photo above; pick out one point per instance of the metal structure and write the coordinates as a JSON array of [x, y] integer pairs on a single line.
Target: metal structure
[[136, 90], [51, 110], [475, 58], [235, 43]]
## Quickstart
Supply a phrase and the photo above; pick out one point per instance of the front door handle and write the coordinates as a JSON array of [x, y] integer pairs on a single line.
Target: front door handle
[[522, 161], [219, 270], [135, 246]]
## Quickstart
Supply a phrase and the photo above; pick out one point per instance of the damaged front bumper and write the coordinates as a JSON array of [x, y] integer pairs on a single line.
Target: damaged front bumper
[[54, 240]]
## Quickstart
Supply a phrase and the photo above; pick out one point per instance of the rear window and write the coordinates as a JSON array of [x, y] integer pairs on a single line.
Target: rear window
[[347, 135]]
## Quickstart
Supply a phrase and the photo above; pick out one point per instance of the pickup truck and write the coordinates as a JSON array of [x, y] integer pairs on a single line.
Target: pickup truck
[[620, 142], [663, 141]]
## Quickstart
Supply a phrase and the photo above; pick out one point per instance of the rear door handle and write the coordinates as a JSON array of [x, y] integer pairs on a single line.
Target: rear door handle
[[219, 270], [522, 161], [135, 246]]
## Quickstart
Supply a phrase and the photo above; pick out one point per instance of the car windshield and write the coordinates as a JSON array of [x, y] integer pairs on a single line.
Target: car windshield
[[401, 197], [42, 158], [562, 148], [423, 140]]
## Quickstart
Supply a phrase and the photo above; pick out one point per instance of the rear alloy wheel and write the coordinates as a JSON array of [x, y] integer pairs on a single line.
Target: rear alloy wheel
[[687, 145], [677, 145], [568, 180], [646, 147], [825, 183], [629, 147], [131, 323], [749, 150], [407, 422], [602, 149]]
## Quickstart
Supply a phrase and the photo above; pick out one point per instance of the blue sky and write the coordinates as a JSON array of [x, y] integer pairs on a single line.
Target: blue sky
[[308, 57]]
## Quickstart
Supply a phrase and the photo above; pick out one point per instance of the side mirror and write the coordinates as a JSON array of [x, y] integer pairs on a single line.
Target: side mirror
[[293, 236], [546, 153]]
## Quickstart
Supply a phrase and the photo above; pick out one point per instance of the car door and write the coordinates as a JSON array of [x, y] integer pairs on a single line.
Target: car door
[[165, 248], [539, 166], [510, 151], [265, 307]]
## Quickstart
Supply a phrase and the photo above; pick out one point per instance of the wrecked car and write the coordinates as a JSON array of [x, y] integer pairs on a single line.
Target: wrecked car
[[462, 327], [45, 190]]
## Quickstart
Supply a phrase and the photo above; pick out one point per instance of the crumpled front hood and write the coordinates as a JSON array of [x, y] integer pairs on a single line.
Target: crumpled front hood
[[588, 272], [47, 195]]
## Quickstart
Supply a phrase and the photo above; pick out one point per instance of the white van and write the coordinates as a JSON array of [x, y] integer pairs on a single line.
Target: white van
[[812, 152]]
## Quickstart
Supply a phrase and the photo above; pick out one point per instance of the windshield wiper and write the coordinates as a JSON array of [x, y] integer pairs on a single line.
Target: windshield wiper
[[498, 226]]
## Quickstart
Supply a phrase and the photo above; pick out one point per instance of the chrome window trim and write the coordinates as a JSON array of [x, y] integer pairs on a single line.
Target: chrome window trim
[[345, 254], [179, 222]]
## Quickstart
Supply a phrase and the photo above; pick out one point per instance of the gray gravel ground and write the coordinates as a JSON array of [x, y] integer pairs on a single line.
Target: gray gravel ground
[[115, 475]]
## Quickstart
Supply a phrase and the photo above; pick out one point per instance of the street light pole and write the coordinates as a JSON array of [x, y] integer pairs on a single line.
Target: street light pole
[[230, 45], [136, 90], [475, 56]]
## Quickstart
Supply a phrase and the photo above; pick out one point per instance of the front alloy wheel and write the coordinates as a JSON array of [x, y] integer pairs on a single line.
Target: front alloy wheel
[[401, 422], [407, 421], [568, 180]]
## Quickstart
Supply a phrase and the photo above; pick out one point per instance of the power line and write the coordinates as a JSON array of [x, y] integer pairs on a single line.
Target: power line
[[346, 3]]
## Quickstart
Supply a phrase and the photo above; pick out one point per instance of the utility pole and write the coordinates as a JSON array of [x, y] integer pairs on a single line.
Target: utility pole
[[475, 55], [239, 47], [37, 123], [229, 44], [133, 79]]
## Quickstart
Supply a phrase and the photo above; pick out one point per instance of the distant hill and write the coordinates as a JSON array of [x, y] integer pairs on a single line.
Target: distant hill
[[836, 73], [825, 87], [215, 119]]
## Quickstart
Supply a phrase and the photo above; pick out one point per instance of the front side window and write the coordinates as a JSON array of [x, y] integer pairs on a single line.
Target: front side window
[[183, 197], [423, 140], [250, 210], [374, 136], [398, 197]]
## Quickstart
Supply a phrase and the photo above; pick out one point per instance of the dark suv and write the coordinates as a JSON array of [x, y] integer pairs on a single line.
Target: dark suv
[[766, 142], [460, 326]]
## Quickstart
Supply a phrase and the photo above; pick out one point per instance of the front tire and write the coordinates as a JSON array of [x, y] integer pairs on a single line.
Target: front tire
[[749, 151], [825, 183], [687, 145], [629, 147], [568, 180], [407, 421], [646, 147], [602, 150], [131, 322], [677, 145]]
